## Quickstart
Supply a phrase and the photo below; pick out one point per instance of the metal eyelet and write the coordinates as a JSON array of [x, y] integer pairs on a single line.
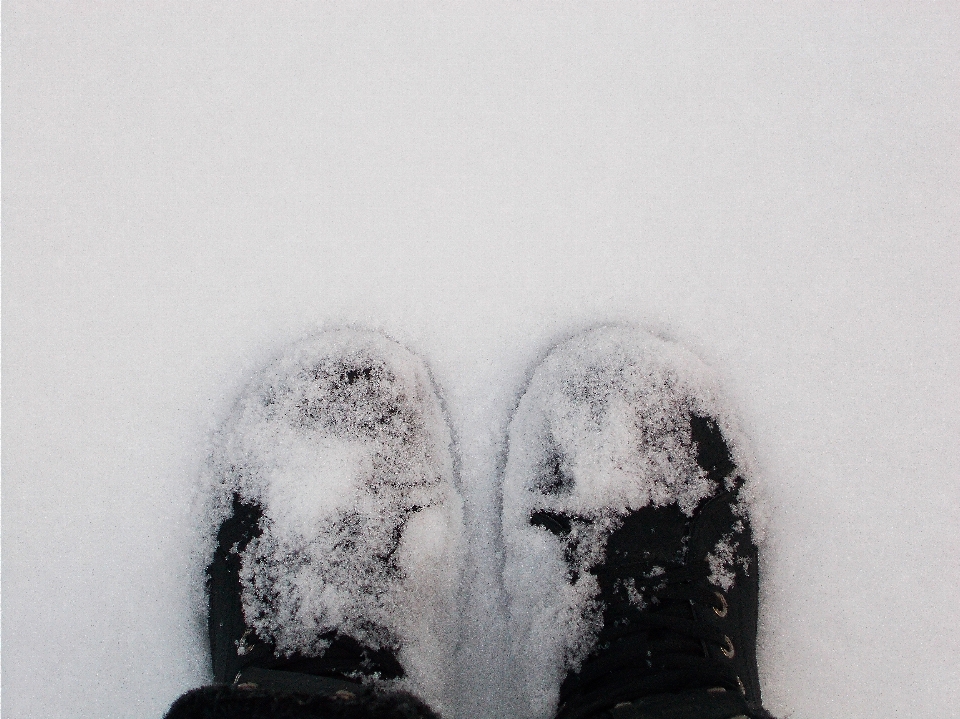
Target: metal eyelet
[[727, 648], [722, 611], [743, 689]]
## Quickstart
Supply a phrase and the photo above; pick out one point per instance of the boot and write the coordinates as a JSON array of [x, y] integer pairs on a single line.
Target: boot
[[338, 539], [632, 563]]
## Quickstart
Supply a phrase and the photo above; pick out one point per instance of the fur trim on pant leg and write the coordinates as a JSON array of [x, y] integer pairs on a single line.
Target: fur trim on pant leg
[[237, 702]]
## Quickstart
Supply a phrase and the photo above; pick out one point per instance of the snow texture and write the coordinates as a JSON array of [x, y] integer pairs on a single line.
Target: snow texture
[[602, 430], [723, 557], [343, 444], [188, 188]]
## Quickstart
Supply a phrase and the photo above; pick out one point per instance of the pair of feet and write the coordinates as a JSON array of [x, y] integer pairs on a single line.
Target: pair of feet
[[630, 564]]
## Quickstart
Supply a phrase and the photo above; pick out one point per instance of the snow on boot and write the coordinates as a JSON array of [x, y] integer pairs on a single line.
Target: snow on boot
[[629, 519], [338, 529]]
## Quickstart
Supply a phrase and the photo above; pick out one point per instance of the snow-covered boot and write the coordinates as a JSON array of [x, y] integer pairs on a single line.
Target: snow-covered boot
[[629, 525], [338, 529]]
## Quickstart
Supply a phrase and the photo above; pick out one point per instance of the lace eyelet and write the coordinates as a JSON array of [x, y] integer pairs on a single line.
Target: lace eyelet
[[728, 648], [743, 689], [722, 611]]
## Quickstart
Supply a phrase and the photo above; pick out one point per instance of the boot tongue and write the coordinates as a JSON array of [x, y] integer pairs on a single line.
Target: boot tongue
[[649, 548], [650, 538], [650, 544]]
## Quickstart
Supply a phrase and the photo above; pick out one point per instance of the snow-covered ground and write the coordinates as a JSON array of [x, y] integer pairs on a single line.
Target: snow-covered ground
[[189, 187]]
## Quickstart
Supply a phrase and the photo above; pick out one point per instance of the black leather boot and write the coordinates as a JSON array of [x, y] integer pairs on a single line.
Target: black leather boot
[[338, 536], [631, 558]]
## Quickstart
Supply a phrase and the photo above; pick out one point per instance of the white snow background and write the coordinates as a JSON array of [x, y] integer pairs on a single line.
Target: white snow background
[[189, 187]]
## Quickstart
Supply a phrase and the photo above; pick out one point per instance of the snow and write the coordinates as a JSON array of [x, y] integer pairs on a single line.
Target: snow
[[188, 190], [612, 408], [722, 559]]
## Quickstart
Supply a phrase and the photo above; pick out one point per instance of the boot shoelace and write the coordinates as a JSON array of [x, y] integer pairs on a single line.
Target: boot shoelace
[[653, 640]]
